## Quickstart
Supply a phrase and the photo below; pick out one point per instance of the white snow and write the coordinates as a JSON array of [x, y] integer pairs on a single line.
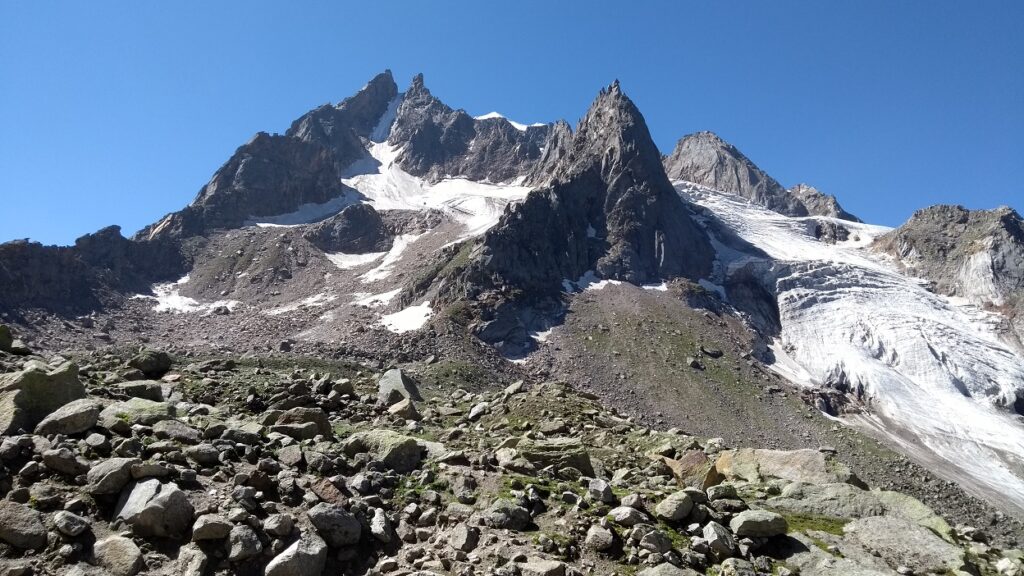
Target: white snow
[[931, 368], [168, 299], [663, 287], [383, 128], [305, 214], [371, 300], [349, 261], [312, 301], [408, 319], [588, 281], [477, 205], [383, 270], [517, 125]]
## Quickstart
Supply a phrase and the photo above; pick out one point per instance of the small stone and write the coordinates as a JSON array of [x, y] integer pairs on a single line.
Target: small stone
[[243, 543], [70, 524]]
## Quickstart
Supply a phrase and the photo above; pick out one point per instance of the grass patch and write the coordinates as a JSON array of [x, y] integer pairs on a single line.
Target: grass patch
[[805, 522]]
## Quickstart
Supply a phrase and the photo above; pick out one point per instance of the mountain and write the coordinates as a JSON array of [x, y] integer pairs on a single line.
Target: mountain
[[705, 159], [977, 255], [690, 291]]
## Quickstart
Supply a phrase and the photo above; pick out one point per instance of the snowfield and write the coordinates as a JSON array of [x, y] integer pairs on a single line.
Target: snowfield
[[408, 319], [477, 205], [931, 368], [167, 298]]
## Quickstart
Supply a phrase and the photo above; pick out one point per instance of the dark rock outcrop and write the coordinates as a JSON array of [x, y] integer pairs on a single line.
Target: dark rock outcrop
[[821, 204], [975, 254], [80, 278], [357, 229], [438, 141], [607, 206]]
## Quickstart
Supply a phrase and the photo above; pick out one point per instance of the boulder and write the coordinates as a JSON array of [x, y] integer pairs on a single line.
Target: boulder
[[148, 389], [6, 338], [675, 507], [118, 555], [64, 461], [70, 524], [305, 416], [395, 386], [504, 513], [405, 409], [152, 363], [336, 525], [135, 411], [626, 516], [464, 537], [399, 452], [667, 569], [110, 476], [810, 466], [74, 417], [29, 396], [901, 542], [155, 509], [210, 527], [176, 430], [599, 538], [693, 468], [719, 539], [243, 543], [542, 567], [557, 452], [21, 526], [305, 557], [758, 524]]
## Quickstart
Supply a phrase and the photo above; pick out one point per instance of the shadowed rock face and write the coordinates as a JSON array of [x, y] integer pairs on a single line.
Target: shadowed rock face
[[975, 254], [704, 158], [357, 229], [77, 279], [605, 205], [437, 141]]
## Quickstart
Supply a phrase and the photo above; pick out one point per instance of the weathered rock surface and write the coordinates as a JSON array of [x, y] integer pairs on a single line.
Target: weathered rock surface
[[29, 396], [155, 509]]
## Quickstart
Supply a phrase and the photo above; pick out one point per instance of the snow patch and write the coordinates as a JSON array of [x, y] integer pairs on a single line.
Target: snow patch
[[168, 299], [382, 130], [588, 281], [663, 287], [477, 205], [408, 319], [312, 301], [518, 126], [383, 270], [372, 300], [305, 214], [349, 261]]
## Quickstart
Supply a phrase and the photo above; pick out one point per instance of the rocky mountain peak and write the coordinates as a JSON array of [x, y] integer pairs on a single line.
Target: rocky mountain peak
[[705, 159], [821, 204], [438, 141]]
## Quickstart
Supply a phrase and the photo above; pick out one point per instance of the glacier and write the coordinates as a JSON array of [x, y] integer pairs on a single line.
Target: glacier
[[931, 370]]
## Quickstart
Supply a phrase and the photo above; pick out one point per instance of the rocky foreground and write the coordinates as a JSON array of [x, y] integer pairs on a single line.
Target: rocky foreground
[[140, 463]]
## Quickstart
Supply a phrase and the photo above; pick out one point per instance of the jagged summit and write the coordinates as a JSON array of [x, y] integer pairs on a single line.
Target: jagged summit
[[438, 141], [607, 207]]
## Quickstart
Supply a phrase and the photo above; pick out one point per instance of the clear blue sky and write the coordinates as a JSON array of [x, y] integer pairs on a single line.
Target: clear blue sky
[[118, 112]]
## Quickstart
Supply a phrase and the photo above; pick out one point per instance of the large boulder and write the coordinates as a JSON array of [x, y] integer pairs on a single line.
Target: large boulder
[[152, 363], [155, 509], [302, 416], [758, 524], [337, 526], [666, 569], [29, 396], [21, 526], [118, 555], [110, 476], [305, 557], [902, 543], [399, 452], [148, 389], [693, 468], [504, 513], [6, 338], [394, 386], [557, 452], [74, 417], [810, 466], [675, 507], [136, 411]]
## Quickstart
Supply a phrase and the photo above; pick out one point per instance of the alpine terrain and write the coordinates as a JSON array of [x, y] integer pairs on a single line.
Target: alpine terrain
[[400, 339]]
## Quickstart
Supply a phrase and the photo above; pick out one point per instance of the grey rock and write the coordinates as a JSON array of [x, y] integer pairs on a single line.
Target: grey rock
[[135, 411], [335, 524], [504, 513], [820, 204], [243, 543], [464, 537], [147, 389], [900, 542], [599, 538], [21, 526], [542, 567], [192, 561], [675, 507], [210, 527], [667, 569], [65, 461], [176, 430], [279, 525], [29, 396], [118, 555], [155, 509], [601, 491], [399, 452], [152, 363], [74, 417], [357, 229], [719, 539], [626, 516], [305, 557], [70, 524], [395, 386], [110, 476], [758, 524]]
